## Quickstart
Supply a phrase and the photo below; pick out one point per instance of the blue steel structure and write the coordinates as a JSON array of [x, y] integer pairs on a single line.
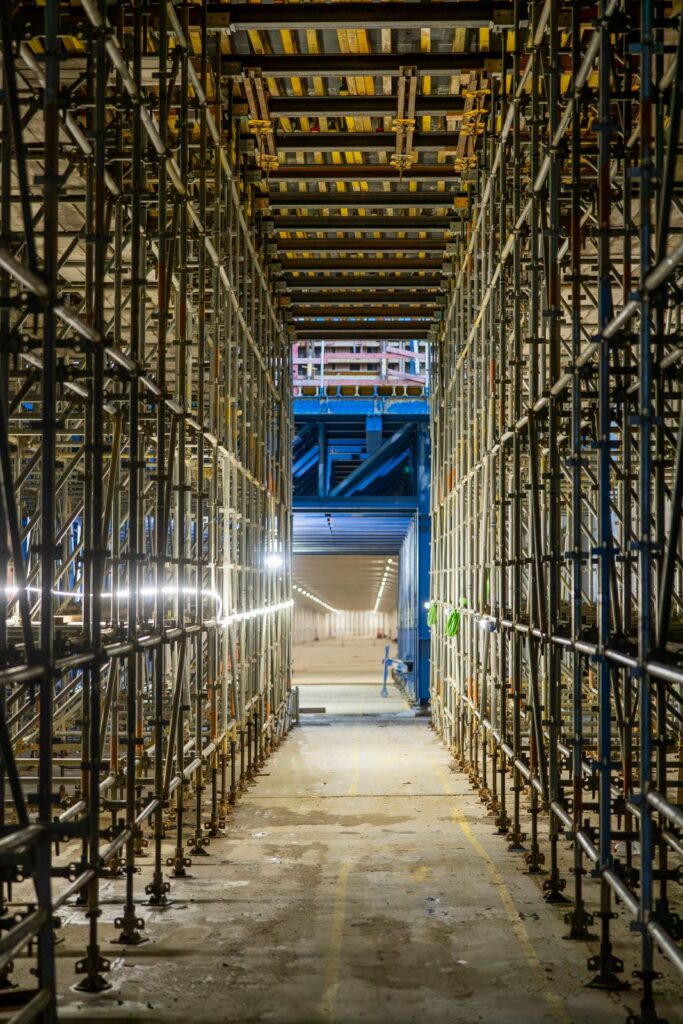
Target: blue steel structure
[[413, 593], [361, 486]]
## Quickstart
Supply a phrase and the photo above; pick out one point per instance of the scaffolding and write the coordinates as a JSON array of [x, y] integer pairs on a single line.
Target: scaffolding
[[145, 450], [557, 484], [158, 262]]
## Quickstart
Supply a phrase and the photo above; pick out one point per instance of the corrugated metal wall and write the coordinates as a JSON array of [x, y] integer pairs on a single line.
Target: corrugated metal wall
[[408, 598], [310, 625], [413, 588]]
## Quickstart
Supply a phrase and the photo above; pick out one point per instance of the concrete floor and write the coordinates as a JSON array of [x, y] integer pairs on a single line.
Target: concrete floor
[[359, 880]]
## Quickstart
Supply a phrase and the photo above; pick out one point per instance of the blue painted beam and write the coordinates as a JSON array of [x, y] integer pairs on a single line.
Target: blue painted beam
[[342, 448], [357, 477], [304, 434], [322, 459], [359, 504], [373, 433], [375, 547], [306, 462], [404, 408], [423, 467], [383, 469]]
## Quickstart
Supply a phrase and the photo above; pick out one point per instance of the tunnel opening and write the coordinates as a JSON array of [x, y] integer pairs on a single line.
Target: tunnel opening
[[345, 633]]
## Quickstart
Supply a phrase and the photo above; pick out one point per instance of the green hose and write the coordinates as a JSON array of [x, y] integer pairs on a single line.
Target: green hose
[[453, 623]]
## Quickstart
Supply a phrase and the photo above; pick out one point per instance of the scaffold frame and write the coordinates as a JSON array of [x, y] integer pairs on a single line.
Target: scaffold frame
[[145, 470], [557, 469]]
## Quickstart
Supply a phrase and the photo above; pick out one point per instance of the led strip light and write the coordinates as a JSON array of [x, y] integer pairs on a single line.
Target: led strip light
[[383, 584], [318, 600], [169, 591]]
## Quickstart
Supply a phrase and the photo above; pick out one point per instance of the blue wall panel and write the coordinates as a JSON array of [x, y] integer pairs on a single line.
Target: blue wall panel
[[413, 592]]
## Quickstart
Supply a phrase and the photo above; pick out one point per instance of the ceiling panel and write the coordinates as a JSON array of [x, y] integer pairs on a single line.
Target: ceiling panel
[[346, 582], [350, 533]]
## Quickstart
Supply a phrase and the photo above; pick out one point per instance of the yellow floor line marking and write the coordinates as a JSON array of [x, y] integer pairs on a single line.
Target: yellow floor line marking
[[333, 961], [552, 998], [339, 914], [353, 788]]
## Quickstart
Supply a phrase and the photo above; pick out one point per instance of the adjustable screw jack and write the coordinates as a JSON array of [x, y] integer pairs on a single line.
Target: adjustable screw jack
[[579, 921], [516, 840], [648, 1013], [198, 844], [157, 891], [179, 863], [608, 967], [534, 860], [131, 927], [91, 966], [553, 889], [503, 823]]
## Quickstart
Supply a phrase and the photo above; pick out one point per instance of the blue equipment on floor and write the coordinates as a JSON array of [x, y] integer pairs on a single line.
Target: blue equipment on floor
[[396, 663]]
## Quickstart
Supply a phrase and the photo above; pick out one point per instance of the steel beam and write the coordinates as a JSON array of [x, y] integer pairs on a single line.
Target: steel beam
[[360, 333], [326, 65], [366, 142], [358, 222], [286, 245], [361, 106], [243, 17], [321, 264], [358, 504], [360, 297], [358, 141], [310, 311], [312, 409], [361, 476], [361, 288], [367, 200], [362, 172]]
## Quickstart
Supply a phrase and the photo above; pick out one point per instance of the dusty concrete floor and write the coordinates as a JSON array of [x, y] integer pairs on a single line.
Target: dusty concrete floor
[[359, 880]]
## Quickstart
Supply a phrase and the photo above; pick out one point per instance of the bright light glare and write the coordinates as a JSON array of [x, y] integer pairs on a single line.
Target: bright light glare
[[171, 591], [274, 561]]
